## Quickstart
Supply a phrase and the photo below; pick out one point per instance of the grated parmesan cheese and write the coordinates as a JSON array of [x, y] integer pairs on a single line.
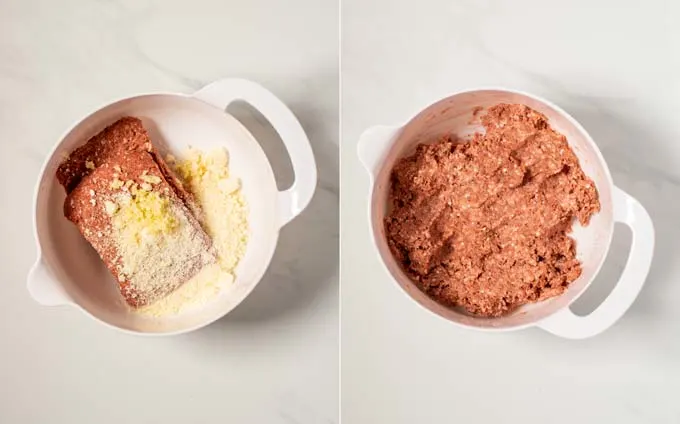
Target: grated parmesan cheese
[[154, 237], [224, 219]]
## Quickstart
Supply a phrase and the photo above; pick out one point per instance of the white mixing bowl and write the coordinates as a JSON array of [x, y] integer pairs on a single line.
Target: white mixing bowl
[[380, 147], [69, 271]]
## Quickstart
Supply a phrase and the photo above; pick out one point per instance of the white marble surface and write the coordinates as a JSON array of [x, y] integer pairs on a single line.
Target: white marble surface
[[275, 358], [614, 65]]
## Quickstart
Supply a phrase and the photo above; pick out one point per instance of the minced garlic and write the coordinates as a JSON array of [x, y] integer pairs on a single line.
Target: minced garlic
[[147, 213], [224, 218]]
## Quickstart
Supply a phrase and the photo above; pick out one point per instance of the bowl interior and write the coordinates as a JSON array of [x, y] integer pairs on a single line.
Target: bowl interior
[[455, 115], [174, 123]]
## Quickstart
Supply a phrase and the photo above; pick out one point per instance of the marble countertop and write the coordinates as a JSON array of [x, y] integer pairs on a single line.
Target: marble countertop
[[275, 358], [613, 65]]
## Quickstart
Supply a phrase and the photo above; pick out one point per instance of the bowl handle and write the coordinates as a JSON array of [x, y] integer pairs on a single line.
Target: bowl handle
[[43, 287], [373, 145], [295, 199], [629, 211]]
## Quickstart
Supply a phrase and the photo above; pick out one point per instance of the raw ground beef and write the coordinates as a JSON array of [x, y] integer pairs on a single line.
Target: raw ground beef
[[484, 224]]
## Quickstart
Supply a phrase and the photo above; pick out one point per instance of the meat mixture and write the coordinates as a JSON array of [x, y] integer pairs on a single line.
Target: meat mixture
[[484, 224]]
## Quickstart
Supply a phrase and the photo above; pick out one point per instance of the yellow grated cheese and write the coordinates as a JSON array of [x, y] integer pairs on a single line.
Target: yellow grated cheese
[[224, 218]]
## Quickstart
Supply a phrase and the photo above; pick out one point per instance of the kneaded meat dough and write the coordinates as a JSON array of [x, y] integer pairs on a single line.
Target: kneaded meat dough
[[483, 224]]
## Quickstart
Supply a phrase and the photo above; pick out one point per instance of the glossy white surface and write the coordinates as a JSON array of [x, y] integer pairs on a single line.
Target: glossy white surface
[[274, 359], [615, 67]]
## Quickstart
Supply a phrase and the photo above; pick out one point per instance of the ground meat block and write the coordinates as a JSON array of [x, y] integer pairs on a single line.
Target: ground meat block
[[110, 166]]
